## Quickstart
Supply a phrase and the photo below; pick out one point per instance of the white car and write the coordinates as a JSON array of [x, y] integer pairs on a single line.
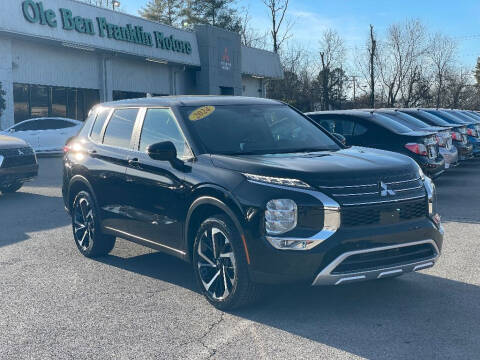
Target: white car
[[45, 135]]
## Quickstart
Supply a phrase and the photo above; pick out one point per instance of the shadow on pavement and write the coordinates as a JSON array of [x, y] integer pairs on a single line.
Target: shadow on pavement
[[416, 316], [22, 213]]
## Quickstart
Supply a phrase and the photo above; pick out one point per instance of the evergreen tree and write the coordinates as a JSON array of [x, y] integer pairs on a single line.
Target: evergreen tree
[[163, 11], [220, 13]]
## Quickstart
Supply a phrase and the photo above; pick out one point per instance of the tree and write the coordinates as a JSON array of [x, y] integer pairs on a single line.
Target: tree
[[220, 13], [442, 54], [248, 35], [278, 10], [477, 72], [163, 11], [372, 48], [332, 55], [3, 102]]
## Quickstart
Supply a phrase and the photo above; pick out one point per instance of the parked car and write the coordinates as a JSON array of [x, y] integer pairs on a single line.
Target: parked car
[[250, 191], [371, 129], [458, 131], [443, 135], [469, 130], [45, 135], [18, 164]]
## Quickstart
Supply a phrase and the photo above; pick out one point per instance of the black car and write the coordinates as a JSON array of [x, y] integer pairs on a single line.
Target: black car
[[459, 131], [250, 191], [372, 129], [18, 163]]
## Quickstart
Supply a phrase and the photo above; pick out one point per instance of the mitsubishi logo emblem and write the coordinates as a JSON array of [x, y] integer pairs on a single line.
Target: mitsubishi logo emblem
[[384, 190], [20, 152]]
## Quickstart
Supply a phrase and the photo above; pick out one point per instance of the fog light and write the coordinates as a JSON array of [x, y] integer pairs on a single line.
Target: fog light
[[280, 216]]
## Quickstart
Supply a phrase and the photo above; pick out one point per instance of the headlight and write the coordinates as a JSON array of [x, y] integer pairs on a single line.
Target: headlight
[[280, 216], [432, 200], [277, 181], [1, 160]]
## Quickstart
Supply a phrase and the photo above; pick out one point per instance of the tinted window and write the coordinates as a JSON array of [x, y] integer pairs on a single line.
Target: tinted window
[[120, 127], [254, 129], [160, 125], [54, 124], [29, 126], [344, 127], [445, 116], [428, 118], [98, 125], [390, 124], [407, 120], [359, 130]]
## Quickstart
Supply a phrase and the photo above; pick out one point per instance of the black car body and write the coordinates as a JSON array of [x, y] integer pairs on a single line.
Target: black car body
[[372, 129], [459, 131], [18, 163], [250, 191]]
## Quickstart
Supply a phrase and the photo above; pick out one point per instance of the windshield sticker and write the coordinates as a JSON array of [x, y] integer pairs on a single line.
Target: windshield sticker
[[201, 112]]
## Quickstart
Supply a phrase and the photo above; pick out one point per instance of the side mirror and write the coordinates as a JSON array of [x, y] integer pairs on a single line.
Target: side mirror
[[12, 130], [340, 138], [163, 151]]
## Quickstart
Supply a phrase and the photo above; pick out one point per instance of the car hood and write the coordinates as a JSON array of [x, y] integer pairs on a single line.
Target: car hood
[[352, 166], [9, 142]]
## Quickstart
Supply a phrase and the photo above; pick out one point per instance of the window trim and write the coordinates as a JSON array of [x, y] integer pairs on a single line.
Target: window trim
[[110, 116], [139, 127]]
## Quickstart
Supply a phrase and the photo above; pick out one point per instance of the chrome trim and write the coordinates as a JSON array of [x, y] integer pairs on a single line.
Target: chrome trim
[[146, 240], [359, 194], [325, 277], [354, 186], [331, 219], [385, 201]]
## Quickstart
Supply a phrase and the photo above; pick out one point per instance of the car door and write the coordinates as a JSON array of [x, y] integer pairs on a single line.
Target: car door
[[157, 187], [109, 167]]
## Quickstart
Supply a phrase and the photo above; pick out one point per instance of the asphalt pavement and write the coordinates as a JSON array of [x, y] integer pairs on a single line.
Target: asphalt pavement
[[139, 303]]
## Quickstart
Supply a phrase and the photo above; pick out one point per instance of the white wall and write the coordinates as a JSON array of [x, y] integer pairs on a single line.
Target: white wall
[[7, 82], [251, 86]]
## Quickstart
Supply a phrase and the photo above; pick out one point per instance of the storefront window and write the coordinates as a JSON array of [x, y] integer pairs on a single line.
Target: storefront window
[[122, 95], [32, 101], [21, 108]]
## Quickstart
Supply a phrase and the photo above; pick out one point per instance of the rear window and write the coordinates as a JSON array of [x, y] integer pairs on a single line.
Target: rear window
[[407, 120], [431, 119], [120, 127], [390, 124]]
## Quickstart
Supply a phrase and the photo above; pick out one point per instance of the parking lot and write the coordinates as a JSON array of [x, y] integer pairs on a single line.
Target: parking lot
[[138, 303]]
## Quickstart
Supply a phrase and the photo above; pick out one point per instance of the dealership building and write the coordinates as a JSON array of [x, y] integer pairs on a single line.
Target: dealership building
[[60, 57]]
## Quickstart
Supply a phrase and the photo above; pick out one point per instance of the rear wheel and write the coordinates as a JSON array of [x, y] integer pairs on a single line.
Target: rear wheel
[[11, 188], [220, 265], [86, 227]]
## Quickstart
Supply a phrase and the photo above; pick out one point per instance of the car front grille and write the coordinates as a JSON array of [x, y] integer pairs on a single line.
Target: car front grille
[[384, 214], [17, 157], [386, 258]]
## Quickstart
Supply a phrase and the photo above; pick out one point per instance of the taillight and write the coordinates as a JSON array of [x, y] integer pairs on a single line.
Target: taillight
[[472, 132], [456, 136], [419, 149]]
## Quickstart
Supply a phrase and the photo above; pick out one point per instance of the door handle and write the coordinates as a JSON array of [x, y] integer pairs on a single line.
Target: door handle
[[133, 162]]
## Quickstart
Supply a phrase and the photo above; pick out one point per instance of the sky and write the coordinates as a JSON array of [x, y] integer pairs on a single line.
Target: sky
[[459, 19]]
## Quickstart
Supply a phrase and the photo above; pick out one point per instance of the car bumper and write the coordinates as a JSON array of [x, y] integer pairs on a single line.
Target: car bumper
[[475, 142], [465, 151], [18, 174], [450, 156], [431, 167], [315, 266]]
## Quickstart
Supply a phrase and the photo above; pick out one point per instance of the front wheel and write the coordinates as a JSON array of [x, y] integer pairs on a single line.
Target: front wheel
[[220, 265], [11, 188], [86, 228]]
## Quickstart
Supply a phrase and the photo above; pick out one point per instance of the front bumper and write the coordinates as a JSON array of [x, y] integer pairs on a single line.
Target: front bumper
[[328, 277], [22, 174]]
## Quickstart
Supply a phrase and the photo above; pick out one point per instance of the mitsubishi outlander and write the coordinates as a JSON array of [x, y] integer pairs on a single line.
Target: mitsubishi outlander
[[250, 191]]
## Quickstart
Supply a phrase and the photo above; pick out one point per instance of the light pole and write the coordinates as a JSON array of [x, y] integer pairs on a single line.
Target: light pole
[[115, 4]]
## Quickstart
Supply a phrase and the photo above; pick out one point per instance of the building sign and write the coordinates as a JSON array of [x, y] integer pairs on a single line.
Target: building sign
[[225, 62], [35, 13]]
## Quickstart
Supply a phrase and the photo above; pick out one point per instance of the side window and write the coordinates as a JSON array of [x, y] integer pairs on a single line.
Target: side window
[[327, 124], [120, 127], [98, 125], [160, 125], [359, 130], [344, 127], [27, 126]]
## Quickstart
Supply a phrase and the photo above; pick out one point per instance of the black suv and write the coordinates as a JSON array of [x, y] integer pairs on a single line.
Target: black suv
[[250, 191], [373, 129]]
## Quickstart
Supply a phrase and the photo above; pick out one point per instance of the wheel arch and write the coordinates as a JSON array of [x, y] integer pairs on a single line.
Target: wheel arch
[[76, 184], [208, 201]]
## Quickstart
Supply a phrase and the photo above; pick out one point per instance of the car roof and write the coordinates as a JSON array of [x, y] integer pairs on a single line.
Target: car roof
[[51, 118], [192, 100]]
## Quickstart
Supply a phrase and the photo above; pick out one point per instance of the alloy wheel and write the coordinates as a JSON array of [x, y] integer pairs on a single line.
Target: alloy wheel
[[216, 263], [83, 223]]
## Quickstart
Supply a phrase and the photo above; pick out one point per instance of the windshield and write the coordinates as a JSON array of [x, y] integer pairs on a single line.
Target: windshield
[[254, 129]]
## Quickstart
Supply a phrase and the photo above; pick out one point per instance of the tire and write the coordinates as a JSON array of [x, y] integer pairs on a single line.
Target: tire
[[232, 287], [11, 188], [90, 241]]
